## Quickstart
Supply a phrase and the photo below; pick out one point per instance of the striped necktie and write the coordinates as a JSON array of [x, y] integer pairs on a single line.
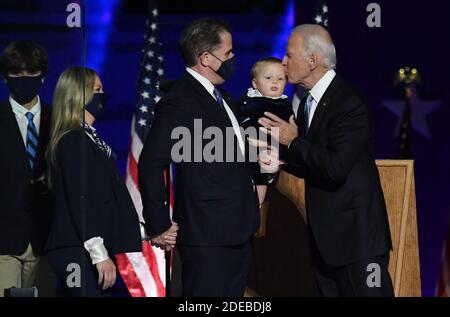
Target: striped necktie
[[32, 139]]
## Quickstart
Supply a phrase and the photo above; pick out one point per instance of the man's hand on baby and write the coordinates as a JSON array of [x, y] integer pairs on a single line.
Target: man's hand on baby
[[268, 157], [286, 132]]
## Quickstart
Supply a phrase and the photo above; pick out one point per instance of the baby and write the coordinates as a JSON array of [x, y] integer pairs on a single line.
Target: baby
[[266, 95]]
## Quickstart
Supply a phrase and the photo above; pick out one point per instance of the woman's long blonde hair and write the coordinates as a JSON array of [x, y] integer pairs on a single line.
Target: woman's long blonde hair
[[74, 90]]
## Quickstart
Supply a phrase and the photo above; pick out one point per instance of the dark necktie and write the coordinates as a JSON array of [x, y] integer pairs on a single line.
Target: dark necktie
[[300, 118], [218, 96], [32, 139]]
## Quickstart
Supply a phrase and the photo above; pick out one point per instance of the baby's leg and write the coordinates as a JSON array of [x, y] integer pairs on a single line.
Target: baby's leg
[[262, 190]]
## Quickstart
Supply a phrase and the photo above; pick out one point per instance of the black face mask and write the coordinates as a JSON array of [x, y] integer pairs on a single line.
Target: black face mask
[[226, 69], [96, 106], [24, 89]]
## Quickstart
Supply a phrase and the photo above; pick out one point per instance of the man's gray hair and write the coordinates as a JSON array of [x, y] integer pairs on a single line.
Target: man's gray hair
[[317, 40]]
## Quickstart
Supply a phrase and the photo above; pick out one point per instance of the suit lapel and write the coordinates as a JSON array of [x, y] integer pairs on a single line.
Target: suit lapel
[[11, 129], [230, 104], [44, 132], [317, 116], [208, 104], [324, 102], [210, 107]]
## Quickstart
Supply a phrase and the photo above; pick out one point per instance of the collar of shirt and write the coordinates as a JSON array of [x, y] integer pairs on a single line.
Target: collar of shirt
[[210, 88], [86, 128], [321, 86], [20, 110], [203, 80], [252, 92], [89, 130], [86, 125]]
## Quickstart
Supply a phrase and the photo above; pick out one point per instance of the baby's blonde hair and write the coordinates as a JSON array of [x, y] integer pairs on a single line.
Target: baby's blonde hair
[[263, 62]]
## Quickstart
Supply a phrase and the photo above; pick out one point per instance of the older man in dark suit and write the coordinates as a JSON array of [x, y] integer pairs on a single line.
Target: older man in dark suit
[[330, 146]]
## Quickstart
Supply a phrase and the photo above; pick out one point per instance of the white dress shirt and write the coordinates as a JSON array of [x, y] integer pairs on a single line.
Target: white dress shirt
[[318, 90], [22, 120], [210, 88]]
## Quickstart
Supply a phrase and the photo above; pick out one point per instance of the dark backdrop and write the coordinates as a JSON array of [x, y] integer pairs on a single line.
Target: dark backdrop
[[412, 33]]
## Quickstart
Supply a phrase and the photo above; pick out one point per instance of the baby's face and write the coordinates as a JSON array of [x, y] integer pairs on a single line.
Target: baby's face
[[270, 80]]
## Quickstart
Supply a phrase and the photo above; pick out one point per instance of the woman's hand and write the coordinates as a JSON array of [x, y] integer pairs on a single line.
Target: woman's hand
[[285, 133], [106, 273]]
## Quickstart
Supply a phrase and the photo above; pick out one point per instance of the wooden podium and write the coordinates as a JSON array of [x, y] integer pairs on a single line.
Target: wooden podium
[[397, 181]]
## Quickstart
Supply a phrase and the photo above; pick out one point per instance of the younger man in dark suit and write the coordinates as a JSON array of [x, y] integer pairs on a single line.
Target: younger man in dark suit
[[24, 131], [216, 205]]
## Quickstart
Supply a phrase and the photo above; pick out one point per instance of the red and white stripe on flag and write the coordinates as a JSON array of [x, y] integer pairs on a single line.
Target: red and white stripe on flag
[[444, 280], [144, 273]]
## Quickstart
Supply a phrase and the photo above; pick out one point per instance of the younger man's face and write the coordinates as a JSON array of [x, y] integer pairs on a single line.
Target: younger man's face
[[24, 85], [24, 73], [270, 80]]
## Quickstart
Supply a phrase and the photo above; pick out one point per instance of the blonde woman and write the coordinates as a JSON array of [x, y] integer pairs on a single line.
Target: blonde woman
[[94, 214]]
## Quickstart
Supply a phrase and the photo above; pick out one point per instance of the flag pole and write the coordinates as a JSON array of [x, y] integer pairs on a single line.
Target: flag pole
[[168, 254], [407, 77]]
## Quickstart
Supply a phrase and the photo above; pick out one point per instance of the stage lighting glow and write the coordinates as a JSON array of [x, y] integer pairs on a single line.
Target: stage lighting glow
[[287, 22], [99, 21]]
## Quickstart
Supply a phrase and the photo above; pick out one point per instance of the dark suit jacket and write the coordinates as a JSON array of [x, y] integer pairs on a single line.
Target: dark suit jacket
[[215, 203], [91, 198], [344, 200], [25, 209]]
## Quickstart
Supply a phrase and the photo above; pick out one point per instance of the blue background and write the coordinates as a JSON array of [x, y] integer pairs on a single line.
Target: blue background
[[412, 33]]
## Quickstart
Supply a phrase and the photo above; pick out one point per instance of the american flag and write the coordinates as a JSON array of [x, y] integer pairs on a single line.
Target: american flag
[[444, 280], [144, 273], [321, 16], [404, 136]]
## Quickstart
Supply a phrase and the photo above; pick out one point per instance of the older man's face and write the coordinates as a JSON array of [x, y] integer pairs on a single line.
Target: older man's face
[[295, 62]]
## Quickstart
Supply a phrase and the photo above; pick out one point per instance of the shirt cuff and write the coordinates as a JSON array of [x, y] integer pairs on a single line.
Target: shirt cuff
[[144, 235], [289, 145], [96, 249]]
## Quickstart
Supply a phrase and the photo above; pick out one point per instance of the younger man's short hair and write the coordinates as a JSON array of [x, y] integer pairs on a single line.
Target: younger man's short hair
[[199, 36], [23, 55]]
